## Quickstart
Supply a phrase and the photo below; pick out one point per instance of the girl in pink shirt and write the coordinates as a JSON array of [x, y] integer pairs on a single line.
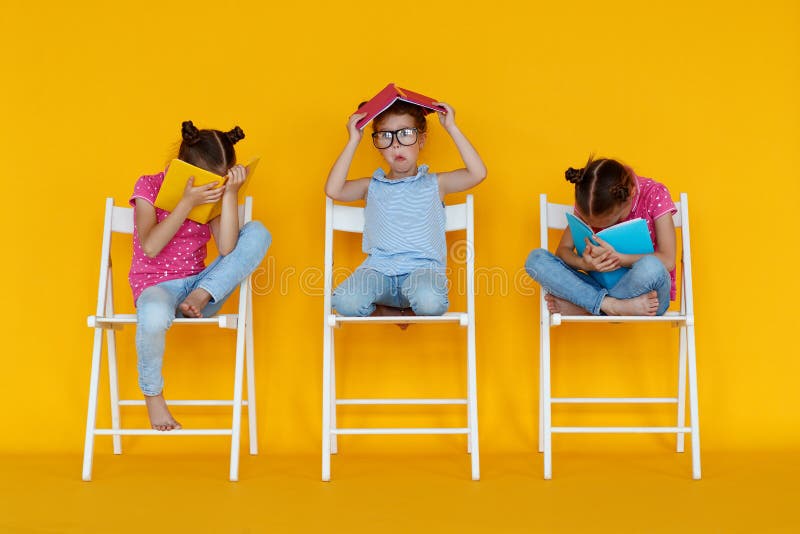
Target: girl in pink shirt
[[168, 275], [606, 193]]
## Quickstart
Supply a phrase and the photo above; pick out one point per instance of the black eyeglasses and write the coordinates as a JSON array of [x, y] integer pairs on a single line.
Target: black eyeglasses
[[385, 138]]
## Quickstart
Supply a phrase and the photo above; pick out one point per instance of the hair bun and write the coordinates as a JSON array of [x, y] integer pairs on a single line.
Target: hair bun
[[189, 132], [620, 192], [235, 135], [574, 176]]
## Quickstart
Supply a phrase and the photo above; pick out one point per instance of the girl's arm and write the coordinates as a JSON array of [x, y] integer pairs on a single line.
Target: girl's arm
[[665, 237], [154, 235], [225, 228], [475, 171], [338, 187]]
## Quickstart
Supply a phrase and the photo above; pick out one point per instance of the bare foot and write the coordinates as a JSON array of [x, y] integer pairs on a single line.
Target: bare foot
[[381, 310], [646, 304], [564, 307], [195, 302], [160, 418]]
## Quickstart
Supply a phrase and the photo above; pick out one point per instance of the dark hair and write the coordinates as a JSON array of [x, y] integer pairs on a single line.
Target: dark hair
[[211, 150], [401, 107], [601, 185]]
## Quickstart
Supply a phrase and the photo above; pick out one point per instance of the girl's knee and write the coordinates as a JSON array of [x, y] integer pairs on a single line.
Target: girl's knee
[[649, 267], [536, 259], [257, 233], [429, 302], [154, 319], [350, 304]]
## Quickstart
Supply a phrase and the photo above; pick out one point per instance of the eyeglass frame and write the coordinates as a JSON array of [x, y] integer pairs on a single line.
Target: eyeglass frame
[[394, 136]]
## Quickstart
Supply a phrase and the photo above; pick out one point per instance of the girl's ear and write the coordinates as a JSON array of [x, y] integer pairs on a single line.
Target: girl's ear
[[422, 139]]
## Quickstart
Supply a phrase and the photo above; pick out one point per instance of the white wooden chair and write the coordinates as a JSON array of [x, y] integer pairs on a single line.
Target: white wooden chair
[[553, 217], [351, 219], [107, 321]]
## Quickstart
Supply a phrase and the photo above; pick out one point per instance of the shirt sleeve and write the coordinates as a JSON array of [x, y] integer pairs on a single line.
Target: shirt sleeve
[[146, 188], [659, 202]]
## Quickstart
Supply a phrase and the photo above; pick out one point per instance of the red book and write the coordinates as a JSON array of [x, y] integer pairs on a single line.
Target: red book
[[388, 96]]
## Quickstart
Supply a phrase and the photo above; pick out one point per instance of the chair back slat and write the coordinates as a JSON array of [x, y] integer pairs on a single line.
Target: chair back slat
[[122, 220], [455, 217], [351, 218], [676, 217], [348, 218], [557, 215]]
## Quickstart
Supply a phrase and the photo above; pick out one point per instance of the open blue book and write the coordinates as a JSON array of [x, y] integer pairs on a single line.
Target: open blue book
[[629, 237]]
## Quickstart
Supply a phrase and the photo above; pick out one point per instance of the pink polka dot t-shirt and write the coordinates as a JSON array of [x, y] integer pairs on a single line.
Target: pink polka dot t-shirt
[[183, 256]]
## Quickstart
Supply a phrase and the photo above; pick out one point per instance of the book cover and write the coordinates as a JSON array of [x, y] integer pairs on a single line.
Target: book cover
[[629, 237], [174, 184], [387, 97]]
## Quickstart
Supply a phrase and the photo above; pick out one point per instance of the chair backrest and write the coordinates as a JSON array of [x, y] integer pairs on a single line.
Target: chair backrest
[[553, 216], [351, 219], [120, 220]]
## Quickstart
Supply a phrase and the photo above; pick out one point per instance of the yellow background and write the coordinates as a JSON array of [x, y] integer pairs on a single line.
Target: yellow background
[[699, 95]]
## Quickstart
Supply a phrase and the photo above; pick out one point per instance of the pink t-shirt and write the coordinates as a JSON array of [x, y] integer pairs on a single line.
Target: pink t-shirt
[[183, 256], [651, 201]]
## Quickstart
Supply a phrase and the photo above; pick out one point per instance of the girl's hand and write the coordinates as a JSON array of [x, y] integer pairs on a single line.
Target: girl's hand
[[204, 194], [352, 129], [447, 120], [236, 177], [600, 258]]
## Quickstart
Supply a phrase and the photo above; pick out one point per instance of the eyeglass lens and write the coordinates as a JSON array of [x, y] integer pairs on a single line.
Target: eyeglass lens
[[384, 139]]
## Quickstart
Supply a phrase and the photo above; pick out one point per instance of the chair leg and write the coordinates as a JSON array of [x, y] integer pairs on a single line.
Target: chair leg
[[111, 340], [91, 416], [693, 408], [236, 424], [326, 402], [472, 402], [681, 389], [334, 437], [250, 371], [541, 396], [546, 405]]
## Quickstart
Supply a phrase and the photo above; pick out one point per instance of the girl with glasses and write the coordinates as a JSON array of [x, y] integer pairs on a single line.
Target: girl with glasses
[[404, 227]]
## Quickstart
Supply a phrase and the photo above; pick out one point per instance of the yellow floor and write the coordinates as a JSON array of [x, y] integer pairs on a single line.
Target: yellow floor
[[590, 492]]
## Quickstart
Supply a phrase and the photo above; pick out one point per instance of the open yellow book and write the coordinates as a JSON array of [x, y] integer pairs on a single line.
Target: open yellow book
[[174, 184]]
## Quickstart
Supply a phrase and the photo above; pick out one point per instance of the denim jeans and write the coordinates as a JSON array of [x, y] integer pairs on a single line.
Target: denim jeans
[[423, 290], [561, 280], [157, 305]]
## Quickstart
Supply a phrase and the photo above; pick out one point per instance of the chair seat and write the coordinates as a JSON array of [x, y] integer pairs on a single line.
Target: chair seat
[[228, 320], [462, 318], [669, 317]]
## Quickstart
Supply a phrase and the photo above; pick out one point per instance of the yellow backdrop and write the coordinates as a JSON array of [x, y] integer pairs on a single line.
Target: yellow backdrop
[[701, 96]]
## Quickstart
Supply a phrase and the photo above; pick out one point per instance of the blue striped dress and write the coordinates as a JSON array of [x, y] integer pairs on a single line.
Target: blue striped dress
[[404, 226]]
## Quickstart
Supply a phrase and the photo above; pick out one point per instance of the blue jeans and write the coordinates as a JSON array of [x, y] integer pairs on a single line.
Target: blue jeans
[[561, 280], [157, 305], [423, 290]]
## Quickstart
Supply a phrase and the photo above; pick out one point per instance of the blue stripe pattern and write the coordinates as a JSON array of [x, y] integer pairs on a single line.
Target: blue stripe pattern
[[404, 224]]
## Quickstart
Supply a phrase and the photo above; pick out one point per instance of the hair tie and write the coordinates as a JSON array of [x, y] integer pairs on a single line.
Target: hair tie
[[574, 176], [620, 192], [189, 132], [235, 135]]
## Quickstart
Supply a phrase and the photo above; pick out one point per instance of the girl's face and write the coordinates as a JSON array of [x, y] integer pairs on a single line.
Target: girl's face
[[402, 159]]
